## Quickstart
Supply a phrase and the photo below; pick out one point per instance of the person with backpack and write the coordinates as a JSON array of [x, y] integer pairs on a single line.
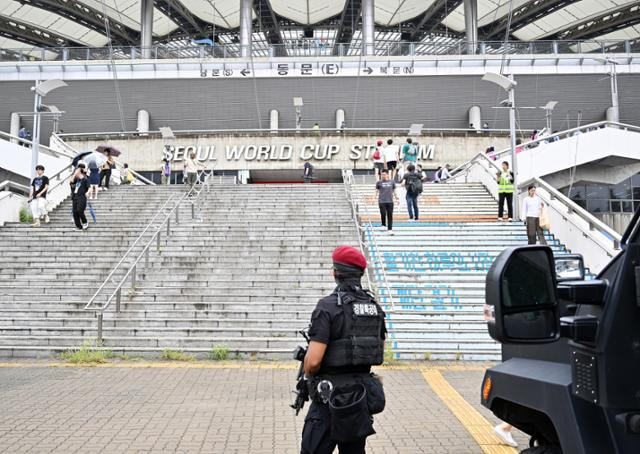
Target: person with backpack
[[505, 191], [79, 188], [386, 194], [409, 153], [412, 182], [378, 160], [307, 176]]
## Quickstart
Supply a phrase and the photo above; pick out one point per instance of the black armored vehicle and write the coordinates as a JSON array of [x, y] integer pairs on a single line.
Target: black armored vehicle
[[570, 376]]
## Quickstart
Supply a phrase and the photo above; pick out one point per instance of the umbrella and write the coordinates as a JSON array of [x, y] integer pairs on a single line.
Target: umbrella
[[80, 157], [94, 160], [108, 149]]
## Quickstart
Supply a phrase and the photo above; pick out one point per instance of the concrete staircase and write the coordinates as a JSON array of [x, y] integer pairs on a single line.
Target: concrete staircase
[[436, 270], [245, 277]]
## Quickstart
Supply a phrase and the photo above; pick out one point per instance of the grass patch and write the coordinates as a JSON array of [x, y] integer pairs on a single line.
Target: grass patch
[[24, 215], [388, 354], [219, 353], [175, 355], [426, 356], [88, 353]]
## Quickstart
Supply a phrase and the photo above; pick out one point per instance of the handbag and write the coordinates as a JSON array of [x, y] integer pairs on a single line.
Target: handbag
[[545, 224]]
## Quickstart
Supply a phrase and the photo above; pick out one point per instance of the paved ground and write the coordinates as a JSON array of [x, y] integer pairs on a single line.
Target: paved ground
[[215, 408]]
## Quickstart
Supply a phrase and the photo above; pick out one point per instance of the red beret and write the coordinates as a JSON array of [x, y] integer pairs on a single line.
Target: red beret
[[349, 256]]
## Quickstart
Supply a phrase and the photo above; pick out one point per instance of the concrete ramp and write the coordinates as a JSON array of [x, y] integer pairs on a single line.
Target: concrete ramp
[[15, 159]]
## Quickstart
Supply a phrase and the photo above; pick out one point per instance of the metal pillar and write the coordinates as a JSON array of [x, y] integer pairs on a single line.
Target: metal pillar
[[246, 27], [615, 108], [146, 27], [368, 28], [14, 129], [471, 25], [35, 137], [514, 158]]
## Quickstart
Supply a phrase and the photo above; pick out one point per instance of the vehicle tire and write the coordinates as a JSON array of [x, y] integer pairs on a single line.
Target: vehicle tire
[[548, 449]]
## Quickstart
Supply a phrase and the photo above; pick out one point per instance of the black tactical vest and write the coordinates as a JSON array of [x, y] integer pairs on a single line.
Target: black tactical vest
[[362, 343]]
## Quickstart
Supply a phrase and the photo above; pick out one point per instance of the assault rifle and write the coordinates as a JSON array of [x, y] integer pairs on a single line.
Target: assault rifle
[[301, 392]]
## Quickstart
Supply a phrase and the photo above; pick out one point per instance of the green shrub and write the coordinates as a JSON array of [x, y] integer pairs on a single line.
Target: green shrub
[[24, 215], [175, 355], [88, 353], [219, 353]]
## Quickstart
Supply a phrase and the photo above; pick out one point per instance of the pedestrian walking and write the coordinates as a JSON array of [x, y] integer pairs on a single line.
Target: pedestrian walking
[[94, 181], [378, 159], [386, 193], [346, 338], [191, 166], [412, 182], [391, 152], [166, 172], [38, 197], [442, 174], [531, 210], [409, 153], [505, 180], [127, 176], [105, 172], [79, 188]]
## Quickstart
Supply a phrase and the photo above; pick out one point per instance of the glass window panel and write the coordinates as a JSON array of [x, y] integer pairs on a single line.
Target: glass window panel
[[636, 206], [615, 206], [597, 191], [621, 190], [635, 180], [578, 192], [581, 203], [627, 206], [636, 193], [598, 205]]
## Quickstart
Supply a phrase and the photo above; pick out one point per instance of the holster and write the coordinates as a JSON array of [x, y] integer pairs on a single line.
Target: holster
[[373, 385]]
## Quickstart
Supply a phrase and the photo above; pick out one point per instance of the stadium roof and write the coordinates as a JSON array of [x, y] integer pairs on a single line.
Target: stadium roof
[[53, 23]]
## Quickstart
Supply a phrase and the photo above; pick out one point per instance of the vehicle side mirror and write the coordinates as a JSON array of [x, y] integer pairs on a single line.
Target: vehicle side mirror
[[521, 287], [569, 267]]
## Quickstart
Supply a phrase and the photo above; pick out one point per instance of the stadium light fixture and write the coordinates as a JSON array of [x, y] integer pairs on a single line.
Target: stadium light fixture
[[40, 90], [508, 84], [548, 110]]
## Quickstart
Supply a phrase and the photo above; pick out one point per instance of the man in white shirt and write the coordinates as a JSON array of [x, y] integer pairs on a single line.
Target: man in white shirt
[[391, 157], [531, 210], [191, 166], [442, 174]]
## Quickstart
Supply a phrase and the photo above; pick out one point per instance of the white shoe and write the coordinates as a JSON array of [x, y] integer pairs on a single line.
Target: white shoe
[[36, 223], [500, 219], [391, 232], [46, 218], [505, 436], [85, 226], [510, 219]]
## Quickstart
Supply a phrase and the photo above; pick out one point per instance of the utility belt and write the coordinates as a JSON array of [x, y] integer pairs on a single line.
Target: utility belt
[[352, 400]]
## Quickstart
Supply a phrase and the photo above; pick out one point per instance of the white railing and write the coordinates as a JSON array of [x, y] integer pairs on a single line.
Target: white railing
[[576, 228], [56, 153]]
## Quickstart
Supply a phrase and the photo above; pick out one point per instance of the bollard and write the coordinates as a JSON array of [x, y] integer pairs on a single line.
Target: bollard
[[193, 210], [177, 217], [118, 299], [100, 327], [158, 239], [169, 227], [146, 258]]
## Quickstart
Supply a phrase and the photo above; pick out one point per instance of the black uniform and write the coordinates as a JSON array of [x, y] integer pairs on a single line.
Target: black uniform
[[351, 323], [79, 189]]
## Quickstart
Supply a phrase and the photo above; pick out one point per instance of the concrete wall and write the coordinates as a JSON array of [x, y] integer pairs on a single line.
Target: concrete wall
[[381, 102], [286, 152], [10, 206]]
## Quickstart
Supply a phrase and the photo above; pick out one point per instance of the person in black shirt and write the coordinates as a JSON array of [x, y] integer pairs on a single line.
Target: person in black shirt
[[307, 176], [38, 197], [346, 337], [79, 188], [412, 182]]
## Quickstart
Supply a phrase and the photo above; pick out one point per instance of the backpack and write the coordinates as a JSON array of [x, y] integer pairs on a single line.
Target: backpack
[[376, 154], [415, 185]]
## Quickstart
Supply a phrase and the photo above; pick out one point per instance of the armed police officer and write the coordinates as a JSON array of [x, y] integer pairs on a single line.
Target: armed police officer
[[346, 338]]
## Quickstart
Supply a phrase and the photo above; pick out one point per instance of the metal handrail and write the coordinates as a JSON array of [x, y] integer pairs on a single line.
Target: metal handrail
[[385, 281], [592, 222], [41, 148], [573, 208], [156, 237], [347, 178], [268, 131]]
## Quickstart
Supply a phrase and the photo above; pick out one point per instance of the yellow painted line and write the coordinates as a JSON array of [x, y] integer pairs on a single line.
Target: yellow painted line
[[477, 426]]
